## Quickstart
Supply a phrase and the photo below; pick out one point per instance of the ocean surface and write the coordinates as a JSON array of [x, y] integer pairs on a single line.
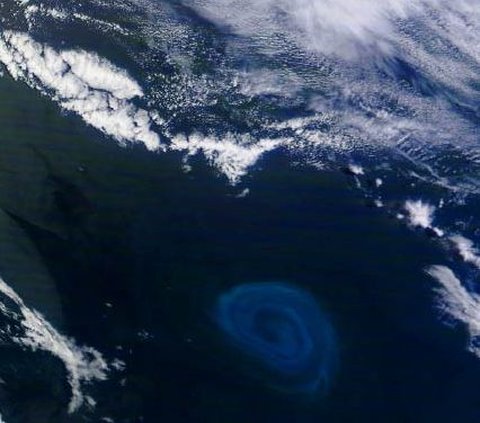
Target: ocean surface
[[239, 211]]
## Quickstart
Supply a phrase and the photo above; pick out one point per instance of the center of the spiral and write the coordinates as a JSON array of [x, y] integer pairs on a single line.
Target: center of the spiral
[[279, 331]]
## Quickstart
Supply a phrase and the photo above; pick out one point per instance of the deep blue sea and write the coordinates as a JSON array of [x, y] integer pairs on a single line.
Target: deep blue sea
[[239, 211]]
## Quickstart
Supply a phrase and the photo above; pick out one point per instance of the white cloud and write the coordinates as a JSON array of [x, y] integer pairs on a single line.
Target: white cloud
[[83, 364], [466, 249], [232, 154], [337, 27], [458, 303], [83, 83], [356, 169], [32, 12], [421, 215]]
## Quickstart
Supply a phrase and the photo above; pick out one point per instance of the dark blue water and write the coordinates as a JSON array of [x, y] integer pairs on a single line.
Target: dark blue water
[[164, 266], [162, 246], [301, 301]]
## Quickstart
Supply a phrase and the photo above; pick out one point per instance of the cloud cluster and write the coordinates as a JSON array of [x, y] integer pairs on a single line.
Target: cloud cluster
[[83, 83]]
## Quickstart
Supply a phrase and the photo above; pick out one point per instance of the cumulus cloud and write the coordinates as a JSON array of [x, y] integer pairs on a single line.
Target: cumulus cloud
[[101, 94], [232, 154], [83, 83], [421, 215]]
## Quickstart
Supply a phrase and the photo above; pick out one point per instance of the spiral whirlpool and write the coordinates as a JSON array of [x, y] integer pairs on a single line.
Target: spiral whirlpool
[[283, 332]]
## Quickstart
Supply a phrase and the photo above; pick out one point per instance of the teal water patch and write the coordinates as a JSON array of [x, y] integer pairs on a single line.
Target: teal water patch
[[284, 330]]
